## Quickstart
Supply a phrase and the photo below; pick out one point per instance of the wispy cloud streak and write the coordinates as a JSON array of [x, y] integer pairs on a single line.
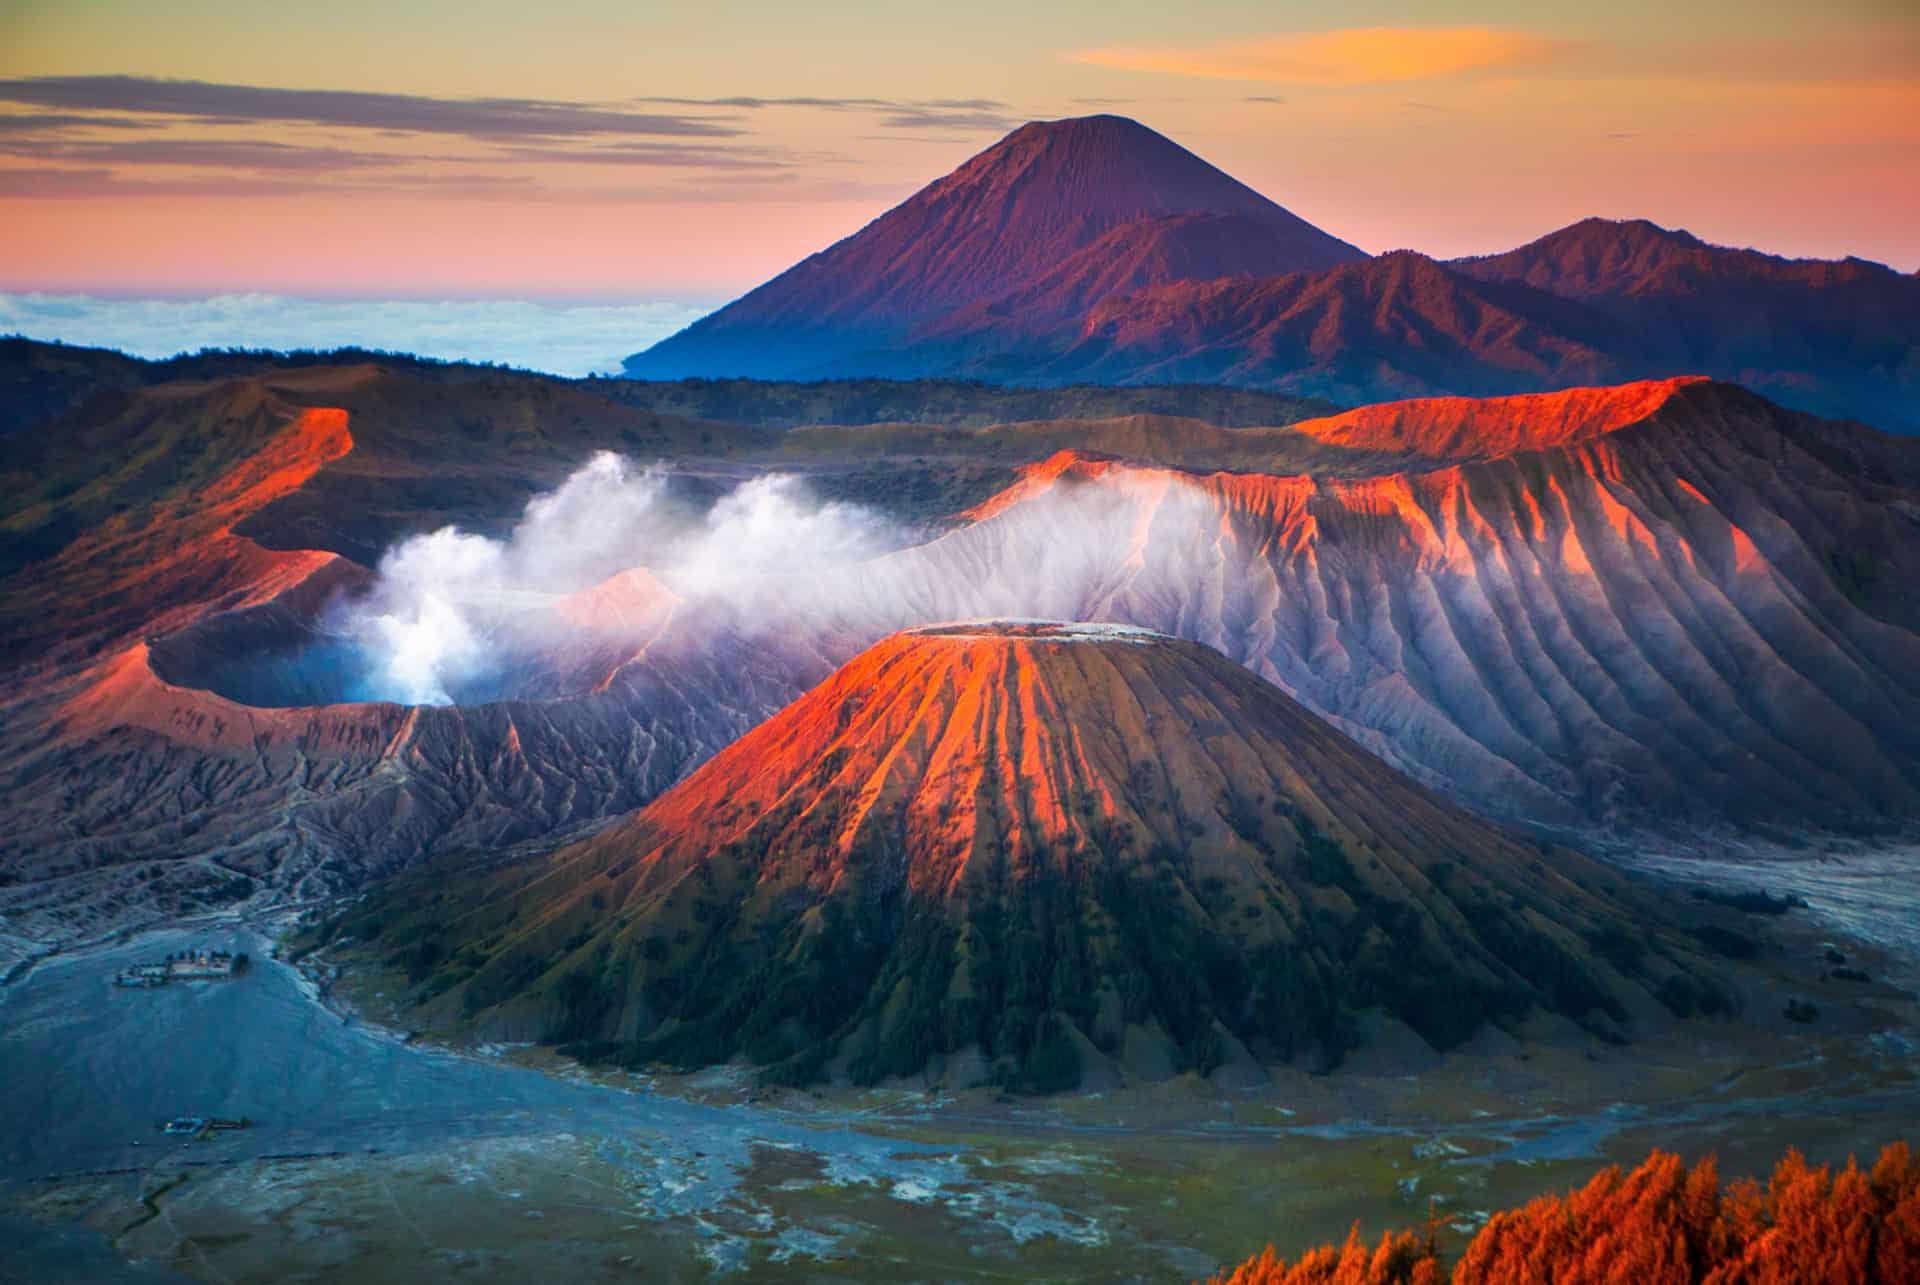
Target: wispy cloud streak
[[1349, 56], [479, 118]]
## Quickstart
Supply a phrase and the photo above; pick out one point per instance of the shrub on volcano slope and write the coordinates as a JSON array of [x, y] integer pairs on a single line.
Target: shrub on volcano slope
[[961, 842], [1661, 1224]]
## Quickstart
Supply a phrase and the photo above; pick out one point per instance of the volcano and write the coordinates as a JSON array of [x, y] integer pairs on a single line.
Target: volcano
[[1054, 216], [1664, 616], [1016, 851]]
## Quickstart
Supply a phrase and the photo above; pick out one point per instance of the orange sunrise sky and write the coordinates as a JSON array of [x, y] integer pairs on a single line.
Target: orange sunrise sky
[[581, 150]]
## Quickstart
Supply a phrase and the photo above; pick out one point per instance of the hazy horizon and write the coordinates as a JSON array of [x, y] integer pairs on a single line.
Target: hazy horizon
[[556, 338]]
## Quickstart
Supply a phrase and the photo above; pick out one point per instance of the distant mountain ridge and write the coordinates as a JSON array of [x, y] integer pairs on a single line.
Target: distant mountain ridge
[[1400, 325], [1097, 251], [1595, 258]]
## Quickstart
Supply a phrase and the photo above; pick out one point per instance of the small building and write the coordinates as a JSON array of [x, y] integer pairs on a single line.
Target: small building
[[200, 964], [185, 965]]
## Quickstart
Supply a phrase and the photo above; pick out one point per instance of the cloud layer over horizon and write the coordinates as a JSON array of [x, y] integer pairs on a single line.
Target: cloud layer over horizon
[[561, 339]]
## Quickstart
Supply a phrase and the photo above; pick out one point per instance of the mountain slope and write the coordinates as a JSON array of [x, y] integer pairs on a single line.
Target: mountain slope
[[1598, 303], [998, 223], [961, 846], [1132, 257], [1835, 337], [1601, 258], [1398, 325]]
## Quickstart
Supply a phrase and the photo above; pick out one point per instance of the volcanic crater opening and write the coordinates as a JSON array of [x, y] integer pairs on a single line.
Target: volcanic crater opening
[[592, 572], [274, 657], [1060, 631]]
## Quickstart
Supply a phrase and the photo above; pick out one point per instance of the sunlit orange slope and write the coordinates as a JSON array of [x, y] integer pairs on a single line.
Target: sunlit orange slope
[[1485, 427], [172, 472]]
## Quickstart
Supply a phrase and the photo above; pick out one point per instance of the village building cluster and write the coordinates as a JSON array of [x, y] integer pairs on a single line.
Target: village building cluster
[[185, 966]]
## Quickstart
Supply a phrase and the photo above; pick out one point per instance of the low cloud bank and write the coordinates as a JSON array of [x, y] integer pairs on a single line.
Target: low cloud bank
[[561, 339]]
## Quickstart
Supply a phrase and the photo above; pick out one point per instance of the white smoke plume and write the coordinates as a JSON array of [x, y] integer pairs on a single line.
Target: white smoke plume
[[460, 617], [449, 609]]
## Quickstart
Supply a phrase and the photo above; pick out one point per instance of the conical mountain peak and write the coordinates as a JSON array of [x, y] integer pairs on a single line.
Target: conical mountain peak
[[1022, 849], [1092, 167], [995, 226]]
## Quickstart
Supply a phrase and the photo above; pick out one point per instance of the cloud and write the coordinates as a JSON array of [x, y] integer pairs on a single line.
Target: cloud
[[1349, 56], [671, 155], [1158, 99], [41, 183], [933, 118], [181, 153], [83, 184], [477, 118], [727, 186], [515, 132], [709, 184], [62, 122], [833, 104], [565, 340], [208, 153], [895, 113], [750, 103], [84, 169]]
